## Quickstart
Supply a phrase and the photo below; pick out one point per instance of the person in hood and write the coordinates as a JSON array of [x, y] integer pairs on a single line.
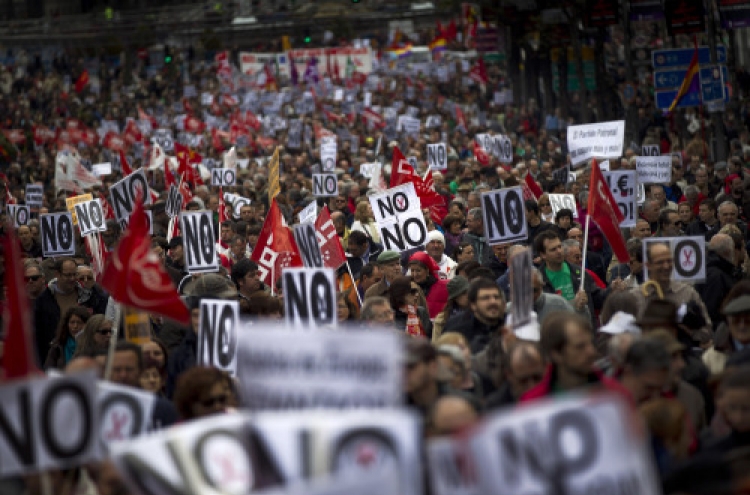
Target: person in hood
[[436, 249], [426, 274]]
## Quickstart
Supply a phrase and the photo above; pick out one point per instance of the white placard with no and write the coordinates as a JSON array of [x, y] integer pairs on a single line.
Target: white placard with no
[[504, 214], [560, 201]]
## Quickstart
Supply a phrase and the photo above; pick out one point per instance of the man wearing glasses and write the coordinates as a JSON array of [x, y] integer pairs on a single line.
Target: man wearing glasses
[[35, 282], [62, 293]]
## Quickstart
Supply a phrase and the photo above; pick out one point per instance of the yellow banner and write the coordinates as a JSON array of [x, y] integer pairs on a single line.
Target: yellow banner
[[274, 187], [71, 202]]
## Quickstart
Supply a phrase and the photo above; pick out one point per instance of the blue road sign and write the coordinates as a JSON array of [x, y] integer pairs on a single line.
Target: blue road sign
[[665, 98], [713, 83], [670, 79], [681, 57]]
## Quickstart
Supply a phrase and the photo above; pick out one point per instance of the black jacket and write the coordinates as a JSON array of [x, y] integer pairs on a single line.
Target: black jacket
[[356, 263], [477, 334], [47, 315], [596, 295], [699, 227], [498, 267], [181, 359], [399, 320], [719, 280]]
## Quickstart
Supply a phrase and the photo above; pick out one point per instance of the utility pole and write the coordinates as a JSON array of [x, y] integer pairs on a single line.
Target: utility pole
[[717, 124]]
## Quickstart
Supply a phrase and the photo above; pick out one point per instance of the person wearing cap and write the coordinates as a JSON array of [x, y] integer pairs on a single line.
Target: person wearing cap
[[676, 387], [458, 302], [426, 274], [175, 262], [389, 263], [733, 339], [435, 248]]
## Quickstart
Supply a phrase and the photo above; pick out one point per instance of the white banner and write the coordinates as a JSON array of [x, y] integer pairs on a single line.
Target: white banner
[[654, 169], [599, 140]]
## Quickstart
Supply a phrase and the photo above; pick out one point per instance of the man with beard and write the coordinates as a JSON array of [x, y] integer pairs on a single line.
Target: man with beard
[[486, 315], [567, 343]]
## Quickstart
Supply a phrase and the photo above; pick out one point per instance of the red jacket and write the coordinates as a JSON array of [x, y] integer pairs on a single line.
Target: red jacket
[[437, 298], [544, 389]]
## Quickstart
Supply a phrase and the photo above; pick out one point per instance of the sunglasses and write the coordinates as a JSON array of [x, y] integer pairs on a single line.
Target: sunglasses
[[221, 400], [104, 331], [33, 278]]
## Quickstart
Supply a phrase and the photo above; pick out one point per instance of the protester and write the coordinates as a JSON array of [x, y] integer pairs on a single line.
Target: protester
[[63, 347]]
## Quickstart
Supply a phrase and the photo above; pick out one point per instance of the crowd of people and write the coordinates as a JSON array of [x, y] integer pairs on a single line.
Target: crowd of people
[[677, 351]]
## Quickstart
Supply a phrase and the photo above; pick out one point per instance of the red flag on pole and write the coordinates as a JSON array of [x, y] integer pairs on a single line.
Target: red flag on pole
[[603, 210], [533, 186], [19, 357], [275, 248], [82, 81], [222, 207], [481, 155], [124, 165], [328, 240], [135, 276]]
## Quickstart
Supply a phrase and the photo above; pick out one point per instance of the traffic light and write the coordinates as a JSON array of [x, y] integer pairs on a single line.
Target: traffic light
[[307, 38], [167, 55]]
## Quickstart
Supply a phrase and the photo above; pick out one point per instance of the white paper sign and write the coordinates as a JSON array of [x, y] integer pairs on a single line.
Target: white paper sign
[[19, 214], [408, 125], [286, 369], [504, 214], [504, 149], [654, 169], [622, 184], [328, 150], [688, 254], [58, 234], [437, 156], [124, 412], [218, 334], [199, 242], [123, 195], [560, 201], [309, 296], [325, 185], [34, 195], [599, 140], [223, 176], [91, 217], [309, 213]]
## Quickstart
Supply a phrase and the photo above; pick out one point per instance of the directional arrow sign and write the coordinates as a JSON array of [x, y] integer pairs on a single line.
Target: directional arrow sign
[[681, 57], [672, 79]]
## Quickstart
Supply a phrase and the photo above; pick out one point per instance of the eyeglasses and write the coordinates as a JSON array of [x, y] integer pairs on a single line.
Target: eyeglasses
[[104, 331], [33, 278], [220, 400]]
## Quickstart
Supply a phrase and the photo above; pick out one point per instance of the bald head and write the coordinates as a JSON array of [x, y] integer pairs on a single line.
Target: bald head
[[452, 414], [79, 364], [525, 367]]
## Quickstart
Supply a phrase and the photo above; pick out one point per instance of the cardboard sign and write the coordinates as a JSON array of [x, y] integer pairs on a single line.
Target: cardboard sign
[[308, 213], [58, 234], [437, 156], [650, 150], [91, 217], [223, 177], [654, 169], [622, 184], [688, 254], [309, 297], [47, 423], [367, 169], [328, 150], [504, 149], [488, 143], [199, 242], [71, 202], [34, 196], [560, 201], [399, 218], [521, 291], [325, 185], [174, 202], [599, 140], [337, 370], [19, 214], [307, 244], [101, 169], [218, 334], [504, 214], [394, 201], [124, 194], [276, 452], [570, 443], [124, 412]]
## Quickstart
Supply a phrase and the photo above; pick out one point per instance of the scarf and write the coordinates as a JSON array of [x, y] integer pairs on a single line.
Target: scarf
[[413, 323]]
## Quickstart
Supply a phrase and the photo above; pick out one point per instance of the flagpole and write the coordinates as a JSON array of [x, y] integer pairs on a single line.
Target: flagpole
[[584, 249], [354, 283], [112, 343]]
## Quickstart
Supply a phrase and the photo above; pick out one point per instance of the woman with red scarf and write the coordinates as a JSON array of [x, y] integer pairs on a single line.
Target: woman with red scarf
[[426, 273], [408, 317]]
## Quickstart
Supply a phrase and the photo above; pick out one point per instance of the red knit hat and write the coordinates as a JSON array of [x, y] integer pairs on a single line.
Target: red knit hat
[[426, 260]]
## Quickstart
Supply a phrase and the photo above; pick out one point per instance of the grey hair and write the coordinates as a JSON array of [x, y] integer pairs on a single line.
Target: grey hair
[[729, 203], [569, 243], [723, 245], [368, 308], [692, 189], [476, 213]]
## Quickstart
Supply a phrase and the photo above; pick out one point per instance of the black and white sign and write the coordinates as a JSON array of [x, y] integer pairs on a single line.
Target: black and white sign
[[309, 297], [294, 136], [437, 156], [34, 195], [367, 169], [450, 467], [164, 138], [521, 293], [124, 194], [488, 143], [408, 125], [307, 244], [623, 186], [91, 217], [19, 214], [58, 235], [599, 140], [317, 369], [654, 169], [223, 176], [325, 185], [688, 255], [328, 150], [237, 203], [399, 218], [124, 412], [174, 202], [433, 121], [504, 215], [560, 201], [308, 213], [650, 150], [504, 149], [47, 423], [101, 169], [568, 443], [199, 242], [218, 334]]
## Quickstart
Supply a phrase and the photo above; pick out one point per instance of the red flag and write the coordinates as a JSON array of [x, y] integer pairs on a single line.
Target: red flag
[[187, 193], [401, 170], [15, 136], [132, 133], [479, 72], [533, 186], [184, 153], [19, 357], [402, 173], [82, 81], [187, 106], [194, 125], [373, 118], [142, 115], [481, 155], [275, 247], [135, 277], [109, 213], [603, 210], [126, 170], [328, 240], [42, 135], [113, 141], [451, 32]]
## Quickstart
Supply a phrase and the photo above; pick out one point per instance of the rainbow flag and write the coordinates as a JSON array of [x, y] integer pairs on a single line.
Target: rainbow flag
[[438, 45], [691, 82], [401, 51]]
